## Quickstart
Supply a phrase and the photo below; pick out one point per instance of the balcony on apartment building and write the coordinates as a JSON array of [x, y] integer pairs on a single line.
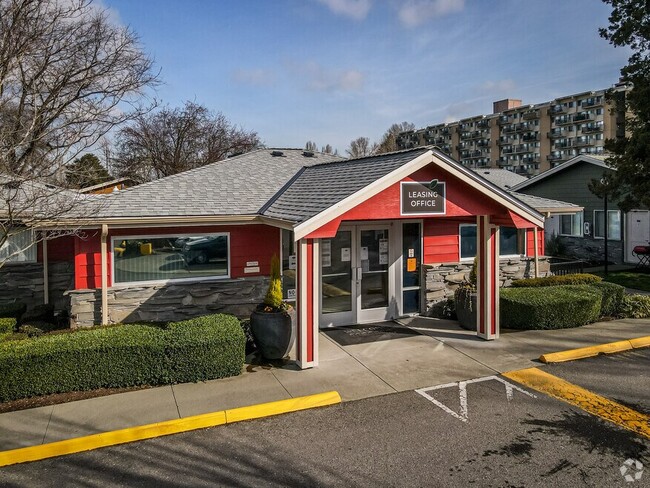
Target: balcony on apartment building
[[558, 157], [507, 150], [583, 116], [563, 144], [592, 102], [523, 126], [531, 114], [524, 148], [591, 128], [483, 143], [533, 158], [583, 142], [483, 124], [563, 120], [530, 137], [557, 109], [503, 119], [504, 140], [563, 132]]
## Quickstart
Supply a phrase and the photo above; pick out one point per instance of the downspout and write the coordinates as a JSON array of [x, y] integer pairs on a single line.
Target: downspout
[[104, 253], [46, 274]]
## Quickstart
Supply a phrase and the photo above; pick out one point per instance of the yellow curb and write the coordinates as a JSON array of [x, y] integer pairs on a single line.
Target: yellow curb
[[584, 399], [640, 342], [586, 352], [159, 429]]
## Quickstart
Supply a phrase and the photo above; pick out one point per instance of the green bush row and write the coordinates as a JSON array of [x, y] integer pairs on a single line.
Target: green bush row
[[554, 307], [121, 356], [7, 325], [635, 307], [612, 298], [570, 279]]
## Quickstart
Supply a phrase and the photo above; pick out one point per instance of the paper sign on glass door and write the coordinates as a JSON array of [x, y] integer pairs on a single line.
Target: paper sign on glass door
[[345, 254], [383, 245], [364, 253]]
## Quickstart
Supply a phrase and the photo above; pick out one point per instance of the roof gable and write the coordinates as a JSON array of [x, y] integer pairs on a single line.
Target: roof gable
[[596, 161]]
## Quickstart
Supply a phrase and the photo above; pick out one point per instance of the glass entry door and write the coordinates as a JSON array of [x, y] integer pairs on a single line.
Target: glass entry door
[[355, 284]]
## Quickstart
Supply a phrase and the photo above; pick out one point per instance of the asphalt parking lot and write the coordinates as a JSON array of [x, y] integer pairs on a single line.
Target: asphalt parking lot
[[502, 434]]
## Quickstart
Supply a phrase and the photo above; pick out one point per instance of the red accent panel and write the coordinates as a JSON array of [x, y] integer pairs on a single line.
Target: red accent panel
[[530, 242], [310, 300], [440, 240], [254, 242], [299, 304], [462, 201], [520, 223]]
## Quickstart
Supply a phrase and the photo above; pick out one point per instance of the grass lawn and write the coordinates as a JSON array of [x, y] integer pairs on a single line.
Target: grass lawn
[[628, 279]]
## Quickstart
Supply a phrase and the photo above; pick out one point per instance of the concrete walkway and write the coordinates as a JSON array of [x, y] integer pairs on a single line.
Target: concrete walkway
[[439, 353]]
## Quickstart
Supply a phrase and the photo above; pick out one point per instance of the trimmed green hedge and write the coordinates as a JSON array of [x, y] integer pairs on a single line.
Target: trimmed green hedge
[[556, 307], [7, 325], [570, 279], [635, 307], [120, 356], [612, 297]]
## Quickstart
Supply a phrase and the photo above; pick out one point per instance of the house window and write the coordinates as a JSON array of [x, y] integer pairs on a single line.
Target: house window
[[571, 225], [613, 221], [163, 258], [512, 241], [288, 265], [19, 248]]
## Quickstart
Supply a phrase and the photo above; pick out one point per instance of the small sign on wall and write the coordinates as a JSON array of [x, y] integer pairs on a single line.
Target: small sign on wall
[[291, 294], [292, 261], [252, 263], [345, 254], [423, 198], [252, 269]]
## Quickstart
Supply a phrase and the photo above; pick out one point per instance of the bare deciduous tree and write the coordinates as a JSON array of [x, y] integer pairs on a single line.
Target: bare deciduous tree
[[361, 147], [170, 141], [68, 76], [388, 141], [311, 146]]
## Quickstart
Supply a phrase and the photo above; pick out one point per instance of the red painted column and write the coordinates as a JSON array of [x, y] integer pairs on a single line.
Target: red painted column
[[307, 302], [487, 279]]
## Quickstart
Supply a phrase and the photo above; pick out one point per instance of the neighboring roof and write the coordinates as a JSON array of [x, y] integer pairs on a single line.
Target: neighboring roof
[[106, 184], [501, 177], [595, 160], [318, 187], [240, 185], [546, 205]]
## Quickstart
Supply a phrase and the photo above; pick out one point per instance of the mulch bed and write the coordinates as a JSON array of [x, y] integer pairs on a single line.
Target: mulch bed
[[56, 398]]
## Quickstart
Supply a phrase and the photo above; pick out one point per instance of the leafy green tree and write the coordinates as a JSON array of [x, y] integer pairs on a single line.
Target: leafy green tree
[[629, 26], [86, 171]]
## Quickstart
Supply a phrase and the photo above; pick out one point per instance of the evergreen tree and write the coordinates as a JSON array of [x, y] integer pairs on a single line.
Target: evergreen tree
[[86, 171]]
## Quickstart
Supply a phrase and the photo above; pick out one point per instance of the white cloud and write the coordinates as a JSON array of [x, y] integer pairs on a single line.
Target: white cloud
[[257, 77], [355, 9], [416, 12], [500, 86], [321, 79]]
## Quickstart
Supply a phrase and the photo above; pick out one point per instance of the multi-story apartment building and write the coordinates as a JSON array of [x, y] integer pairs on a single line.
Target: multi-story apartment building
[[529, 139]]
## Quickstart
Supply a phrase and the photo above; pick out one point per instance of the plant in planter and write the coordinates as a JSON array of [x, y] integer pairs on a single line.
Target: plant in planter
[[465, 301], [272, 322]]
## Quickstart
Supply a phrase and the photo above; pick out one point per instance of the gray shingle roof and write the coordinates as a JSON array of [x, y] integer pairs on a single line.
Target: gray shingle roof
[[241, 185], [542, 204], [318, 187], [501, 177]]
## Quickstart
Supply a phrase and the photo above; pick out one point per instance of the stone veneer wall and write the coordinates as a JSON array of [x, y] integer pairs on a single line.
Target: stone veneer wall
[[593, 249], [163, 303], [442, 280], [23, 282]]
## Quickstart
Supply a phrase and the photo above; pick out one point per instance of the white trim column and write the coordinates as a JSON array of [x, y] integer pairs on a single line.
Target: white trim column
[[104, 261], [308, 302], [487, 278], [46, 271]]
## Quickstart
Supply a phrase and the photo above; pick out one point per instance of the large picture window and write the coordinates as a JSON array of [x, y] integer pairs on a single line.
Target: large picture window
[[613, 224], [512, 242], [163, 258]]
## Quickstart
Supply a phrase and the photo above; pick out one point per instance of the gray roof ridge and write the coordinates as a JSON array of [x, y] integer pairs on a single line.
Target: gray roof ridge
[[362, 158], [586, 158], [279, 193]]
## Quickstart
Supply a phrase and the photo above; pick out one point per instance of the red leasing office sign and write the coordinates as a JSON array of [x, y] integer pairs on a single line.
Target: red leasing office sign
[[422, 197]]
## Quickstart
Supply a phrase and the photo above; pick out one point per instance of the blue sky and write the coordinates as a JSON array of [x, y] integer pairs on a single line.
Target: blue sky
[[333, 70]]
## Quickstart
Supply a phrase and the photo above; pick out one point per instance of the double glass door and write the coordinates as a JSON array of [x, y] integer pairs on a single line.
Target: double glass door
[[355, 271]]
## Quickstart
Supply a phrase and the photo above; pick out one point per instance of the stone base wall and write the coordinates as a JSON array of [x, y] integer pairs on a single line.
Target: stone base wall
[[593, 250], [23, 282], [164, 303], [444, 279]]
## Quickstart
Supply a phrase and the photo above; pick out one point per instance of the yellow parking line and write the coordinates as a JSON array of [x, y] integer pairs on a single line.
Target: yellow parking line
[[584, 399], [159, 429]]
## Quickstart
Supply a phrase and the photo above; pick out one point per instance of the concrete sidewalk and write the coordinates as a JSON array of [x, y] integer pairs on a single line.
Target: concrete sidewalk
[[440, 352]]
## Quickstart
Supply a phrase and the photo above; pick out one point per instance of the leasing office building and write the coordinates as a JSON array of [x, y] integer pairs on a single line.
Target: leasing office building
[[354, 237]]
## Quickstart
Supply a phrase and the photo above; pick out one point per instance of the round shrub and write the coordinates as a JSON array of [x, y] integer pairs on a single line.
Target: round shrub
[[555, 307], [7, 325], [570, 279], [635, 307], [612, 297]]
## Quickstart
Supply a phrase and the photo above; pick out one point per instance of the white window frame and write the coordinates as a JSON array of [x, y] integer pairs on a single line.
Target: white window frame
[[620, 225], [124, 284], [30, 252], [573, 215], [501, 256]]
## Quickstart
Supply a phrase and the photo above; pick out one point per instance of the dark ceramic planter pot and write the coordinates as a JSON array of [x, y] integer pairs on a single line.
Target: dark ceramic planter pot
[[466, 310], [273, 333]]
